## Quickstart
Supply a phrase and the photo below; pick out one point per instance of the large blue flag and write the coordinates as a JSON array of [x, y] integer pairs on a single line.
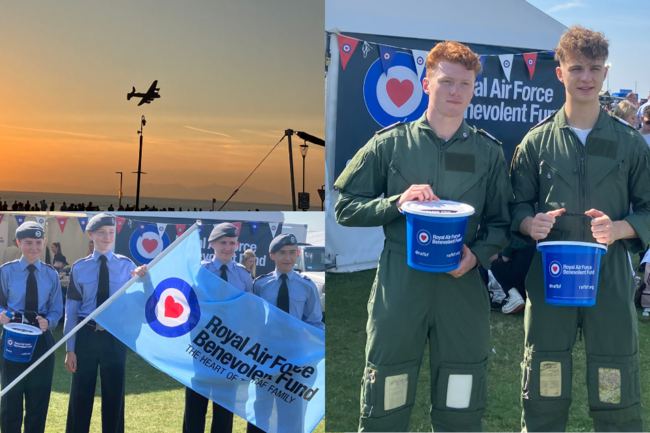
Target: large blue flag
[[230, 346]]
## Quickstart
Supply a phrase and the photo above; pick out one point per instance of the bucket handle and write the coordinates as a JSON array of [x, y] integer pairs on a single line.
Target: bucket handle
[[571, 214]]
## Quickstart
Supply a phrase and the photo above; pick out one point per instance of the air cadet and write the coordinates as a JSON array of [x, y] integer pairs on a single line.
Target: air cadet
[[223, 240], [583, 161], [405, 162], [291, 292], [30, 291], [93, 280]]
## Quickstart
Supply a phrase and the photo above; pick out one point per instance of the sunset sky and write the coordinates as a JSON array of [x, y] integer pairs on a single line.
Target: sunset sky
[[233, 74]]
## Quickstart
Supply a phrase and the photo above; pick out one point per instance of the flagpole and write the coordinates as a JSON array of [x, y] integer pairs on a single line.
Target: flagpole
[[101, 307]]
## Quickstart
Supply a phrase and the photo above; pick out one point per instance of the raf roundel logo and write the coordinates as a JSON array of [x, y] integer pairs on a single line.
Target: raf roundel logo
[[293, 239], [424, 237], [10, 342], [346, 48], [145, 246], [38, 233], [420, 60], [397, 95], [386, 56], [555, 268], [173, 309], [548, 175], [506, 63], [530, 62], [61, 222]]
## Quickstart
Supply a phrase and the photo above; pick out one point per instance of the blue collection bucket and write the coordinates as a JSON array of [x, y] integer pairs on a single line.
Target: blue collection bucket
[[20, 341], [435, 232], [571, 272]]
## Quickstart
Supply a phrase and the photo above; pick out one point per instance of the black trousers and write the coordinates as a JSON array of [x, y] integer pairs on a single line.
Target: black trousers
[[512, 274], [196, 406], [97, 349], [35, 387]]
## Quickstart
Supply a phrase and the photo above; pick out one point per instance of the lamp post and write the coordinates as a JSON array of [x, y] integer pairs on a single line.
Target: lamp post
[[119, 195], [303, 151], [143, 122]]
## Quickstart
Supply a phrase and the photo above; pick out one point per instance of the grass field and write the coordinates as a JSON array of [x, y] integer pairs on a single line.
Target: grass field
[[347, 297], [154, 401]]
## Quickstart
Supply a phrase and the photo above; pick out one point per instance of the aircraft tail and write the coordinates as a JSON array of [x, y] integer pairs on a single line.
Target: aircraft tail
[[130, 95]]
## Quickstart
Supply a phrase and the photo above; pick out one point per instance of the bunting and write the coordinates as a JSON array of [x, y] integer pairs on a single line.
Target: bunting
[[480, 74], [1, 216], [420, 59], [506, 64], [142, 226], [119, 222], [161, 228], [180, 229], [386, 55], [82, 222], [61, 223], [20, 219], [274, 228], [238, 225], [346, 48], [254, 226], [531, 60], [40, 221]]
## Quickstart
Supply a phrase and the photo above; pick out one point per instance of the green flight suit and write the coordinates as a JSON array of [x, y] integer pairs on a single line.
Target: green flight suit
[[407, 306], [553, 168]]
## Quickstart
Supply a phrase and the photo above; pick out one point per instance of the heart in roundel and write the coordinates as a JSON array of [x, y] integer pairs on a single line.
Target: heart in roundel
[[399, 91], [172, 308], [149, 245]]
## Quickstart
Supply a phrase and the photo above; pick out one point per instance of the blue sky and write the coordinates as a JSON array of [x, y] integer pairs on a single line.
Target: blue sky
[[624, 23]]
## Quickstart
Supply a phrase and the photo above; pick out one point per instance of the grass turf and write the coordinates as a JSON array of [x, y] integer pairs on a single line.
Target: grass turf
[[345, 343], [154, 401]]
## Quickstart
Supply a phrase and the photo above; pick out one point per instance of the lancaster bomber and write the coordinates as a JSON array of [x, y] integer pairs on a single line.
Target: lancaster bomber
[[151, 94]]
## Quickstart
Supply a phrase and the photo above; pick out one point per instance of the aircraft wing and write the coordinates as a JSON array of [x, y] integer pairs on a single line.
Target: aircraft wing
[[152, 89], [145, 100]]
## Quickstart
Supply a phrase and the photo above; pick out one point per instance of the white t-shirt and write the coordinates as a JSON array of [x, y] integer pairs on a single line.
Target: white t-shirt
[[582, 134]]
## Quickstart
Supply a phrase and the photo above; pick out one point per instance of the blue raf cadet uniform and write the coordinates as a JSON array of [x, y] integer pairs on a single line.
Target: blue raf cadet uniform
[[94, 279], [28, 290], [196, 405]]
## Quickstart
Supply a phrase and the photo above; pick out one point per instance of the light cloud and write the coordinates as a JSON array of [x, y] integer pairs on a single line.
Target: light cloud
[[564, 6], [77, 134], [270, 134], [209, 132]]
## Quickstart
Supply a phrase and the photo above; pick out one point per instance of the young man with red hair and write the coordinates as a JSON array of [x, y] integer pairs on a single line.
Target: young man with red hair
[[438, 155]]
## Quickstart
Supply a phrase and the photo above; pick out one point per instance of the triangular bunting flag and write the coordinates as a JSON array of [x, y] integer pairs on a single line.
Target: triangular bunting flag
[[180, 229], [82, 222], [531, 60], [551, 53], [61, 221], [274, 228], [161, 229], [119, 222], [254, 226], [420, 59], [142, 226], [238, 225], [1, 216], [346, 48], [386, 55], [40, 221], [20, 219], [482, 60], [506, 64]]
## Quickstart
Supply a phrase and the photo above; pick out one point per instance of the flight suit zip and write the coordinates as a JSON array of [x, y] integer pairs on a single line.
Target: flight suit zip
[[441, 158]]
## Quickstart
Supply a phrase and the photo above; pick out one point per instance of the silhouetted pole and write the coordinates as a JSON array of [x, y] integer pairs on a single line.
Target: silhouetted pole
[[120, 191], [143, 122], [289, 133]]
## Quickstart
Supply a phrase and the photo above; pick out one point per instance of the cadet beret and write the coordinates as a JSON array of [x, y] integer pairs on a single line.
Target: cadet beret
[[282, 241], [30, 229], [99, 220], [223, 230]]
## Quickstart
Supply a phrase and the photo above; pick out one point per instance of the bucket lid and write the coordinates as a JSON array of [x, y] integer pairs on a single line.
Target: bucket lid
[[442, 208], [23, 328], [571, 243]]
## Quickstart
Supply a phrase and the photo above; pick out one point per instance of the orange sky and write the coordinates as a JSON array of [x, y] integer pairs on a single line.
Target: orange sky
[[233, 76]]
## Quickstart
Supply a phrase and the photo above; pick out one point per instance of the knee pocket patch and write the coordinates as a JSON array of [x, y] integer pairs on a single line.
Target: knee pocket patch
[[547, 375], [461, 387], [388, 388], [613, 381]]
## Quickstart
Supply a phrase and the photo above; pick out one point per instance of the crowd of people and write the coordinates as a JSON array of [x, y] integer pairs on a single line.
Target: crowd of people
[[42, 206]]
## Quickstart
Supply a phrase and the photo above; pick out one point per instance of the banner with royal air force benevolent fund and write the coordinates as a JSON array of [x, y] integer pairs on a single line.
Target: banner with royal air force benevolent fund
[[232, 347]]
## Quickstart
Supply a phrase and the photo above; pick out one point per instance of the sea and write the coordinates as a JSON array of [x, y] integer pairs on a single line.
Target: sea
[[103, 201]]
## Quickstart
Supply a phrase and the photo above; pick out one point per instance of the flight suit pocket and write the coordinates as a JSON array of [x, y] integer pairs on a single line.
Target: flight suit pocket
[[388, 388], [547, 375], [613, 381], [553, 181], [461, 387], [473, 186]]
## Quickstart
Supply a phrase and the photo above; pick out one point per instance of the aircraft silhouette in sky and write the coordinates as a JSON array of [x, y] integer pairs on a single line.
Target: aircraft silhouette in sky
[[151, 94]]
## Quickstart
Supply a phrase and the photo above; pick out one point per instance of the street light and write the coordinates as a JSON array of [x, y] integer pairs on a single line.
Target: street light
[[120, 191], [303, 151], [143, 122]]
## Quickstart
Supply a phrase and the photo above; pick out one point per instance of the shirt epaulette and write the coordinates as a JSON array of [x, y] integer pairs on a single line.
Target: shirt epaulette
[[261, 276], [240, 265], [81, 260], [8, 263], [304, 277], [121, 257], [623, 122], [544, 120], [489, 136], [389, 127], [51, 267]]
